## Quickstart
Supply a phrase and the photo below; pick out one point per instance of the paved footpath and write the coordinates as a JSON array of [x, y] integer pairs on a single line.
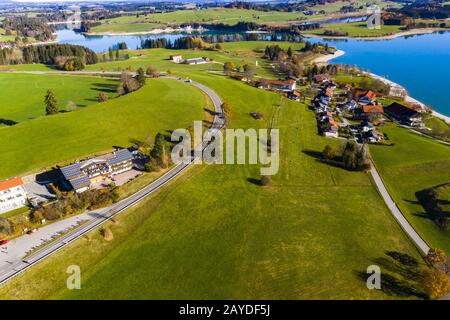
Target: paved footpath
[[420, 243]]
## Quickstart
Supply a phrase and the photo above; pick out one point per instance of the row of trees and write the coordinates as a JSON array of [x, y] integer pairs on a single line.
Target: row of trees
[[129, 83], [352, 156]]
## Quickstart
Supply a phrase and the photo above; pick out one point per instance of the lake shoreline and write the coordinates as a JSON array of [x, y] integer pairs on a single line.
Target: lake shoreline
[[153, 31], [408, 98], [387, 37]]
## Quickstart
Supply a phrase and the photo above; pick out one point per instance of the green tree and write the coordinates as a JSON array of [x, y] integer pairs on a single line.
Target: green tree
[[228, 67], [152, 72], [51, 106], [249, 71], [102, 97], [328, 152], [140, 77]]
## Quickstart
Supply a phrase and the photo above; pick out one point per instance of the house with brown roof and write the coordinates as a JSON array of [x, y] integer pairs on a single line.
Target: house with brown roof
[[12, 194], [373, 108], [404, 114], [281, 85]]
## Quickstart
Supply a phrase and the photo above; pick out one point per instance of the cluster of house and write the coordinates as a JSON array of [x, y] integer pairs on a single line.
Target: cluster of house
[[178, 58], [79, 176], [12, 194], [363, 106], [327, 124]]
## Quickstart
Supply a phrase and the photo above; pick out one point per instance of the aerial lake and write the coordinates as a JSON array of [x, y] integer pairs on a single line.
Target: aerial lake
[[420, 63]]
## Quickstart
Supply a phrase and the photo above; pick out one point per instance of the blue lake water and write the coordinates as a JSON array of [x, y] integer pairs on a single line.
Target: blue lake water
[[420, 63]]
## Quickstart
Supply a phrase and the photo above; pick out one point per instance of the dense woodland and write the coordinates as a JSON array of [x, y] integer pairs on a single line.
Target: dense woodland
[[24, 26], [50, 54]]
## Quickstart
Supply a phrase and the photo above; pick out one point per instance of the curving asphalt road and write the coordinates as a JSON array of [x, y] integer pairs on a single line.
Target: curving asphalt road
[[20, 264]]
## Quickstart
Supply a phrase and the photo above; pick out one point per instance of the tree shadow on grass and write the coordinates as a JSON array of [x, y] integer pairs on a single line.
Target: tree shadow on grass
[[319, 157], [7, 122], [105, 87], [400, 275], [254, 181]]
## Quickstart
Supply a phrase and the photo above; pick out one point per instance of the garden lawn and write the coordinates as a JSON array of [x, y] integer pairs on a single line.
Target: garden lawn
[[159, 106], [214, 233], [415, 163], [22, 95]]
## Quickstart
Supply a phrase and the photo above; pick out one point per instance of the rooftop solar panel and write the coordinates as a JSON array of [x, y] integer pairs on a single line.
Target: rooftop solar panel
[[80, 182], [120, 156], [71, 171]]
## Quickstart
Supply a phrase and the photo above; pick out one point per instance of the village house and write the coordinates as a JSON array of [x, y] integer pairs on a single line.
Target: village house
[[177, 58], [404, 114], [294, 95], [281, 85], [12, 194], [80, 175], [367, 97]]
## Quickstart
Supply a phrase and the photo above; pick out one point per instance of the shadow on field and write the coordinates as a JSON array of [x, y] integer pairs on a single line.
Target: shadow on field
[[7, 122], [254, 181], [105, 87], [400, 275], [319, 157]]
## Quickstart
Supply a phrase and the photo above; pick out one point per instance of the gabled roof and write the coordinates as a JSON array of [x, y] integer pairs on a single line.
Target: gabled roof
[[10, 183], [371, 95], [120, 156], [401, 110], [375, 108], [71, 171], [80, 182]]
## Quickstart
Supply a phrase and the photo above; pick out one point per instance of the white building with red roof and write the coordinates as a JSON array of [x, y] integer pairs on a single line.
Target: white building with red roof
[[12, 194]]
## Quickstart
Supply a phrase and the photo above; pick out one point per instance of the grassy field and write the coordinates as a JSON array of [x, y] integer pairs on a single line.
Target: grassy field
[[414, 164], [214, 234], [82, 91], [216, 15], [161, 105], [240, 53], [357, 29]]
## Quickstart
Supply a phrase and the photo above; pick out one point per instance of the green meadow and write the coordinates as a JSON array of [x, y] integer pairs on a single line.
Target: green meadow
[[413, 164], [22, 95], [214, 233], [149, 22], [46, 141]]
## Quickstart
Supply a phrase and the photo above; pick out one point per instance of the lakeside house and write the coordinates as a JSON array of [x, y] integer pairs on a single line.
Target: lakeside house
[[196, 61], [79, 176], [12, 194], [367, 98], [280, 85], [177, 58], [404, 114]]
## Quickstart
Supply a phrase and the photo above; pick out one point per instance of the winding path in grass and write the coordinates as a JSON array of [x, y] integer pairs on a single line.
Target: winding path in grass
[[17, 265]]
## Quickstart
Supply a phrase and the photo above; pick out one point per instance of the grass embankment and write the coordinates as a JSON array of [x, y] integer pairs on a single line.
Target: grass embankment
[[22, 95], [215, 234], [415, 163], [161, 105]]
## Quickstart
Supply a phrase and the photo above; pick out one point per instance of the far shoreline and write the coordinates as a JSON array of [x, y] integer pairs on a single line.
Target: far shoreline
[[408, 98], [413, 32]]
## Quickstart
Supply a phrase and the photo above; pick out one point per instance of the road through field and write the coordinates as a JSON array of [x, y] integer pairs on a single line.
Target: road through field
[[14, 259]]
